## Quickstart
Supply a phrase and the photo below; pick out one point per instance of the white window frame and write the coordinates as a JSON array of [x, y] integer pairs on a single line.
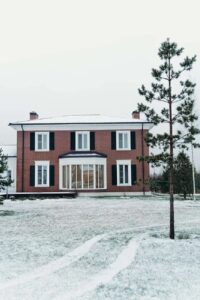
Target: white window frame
[[41, 163], [129, 140], [88, 140], [124, 163], [36, 141]]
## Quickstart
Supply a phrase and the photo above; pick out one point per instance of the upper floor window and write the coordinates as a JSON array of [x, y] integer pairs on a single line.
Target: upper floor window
[[42, 141], [123, 140], [82, 141]]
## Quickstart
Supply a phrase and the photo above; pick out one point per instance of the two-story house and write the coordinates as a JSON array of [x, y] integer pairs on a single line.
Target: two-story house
[[90, 154]]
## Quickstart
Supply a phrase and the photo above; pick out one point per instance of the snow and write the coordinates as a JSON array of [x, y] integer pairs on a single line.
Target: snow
[[124, 259], [81, 119], [53, 266], [93, 249]]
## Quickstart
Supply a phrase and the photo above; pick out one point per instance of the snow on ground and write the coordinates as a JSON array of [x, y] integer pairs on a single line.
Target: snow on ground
[[93, 249]]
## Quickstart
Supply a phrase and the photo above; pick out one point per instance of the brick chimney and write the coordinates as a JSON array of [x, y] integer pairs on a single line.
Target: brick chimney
[[136, 114], [33, 115]]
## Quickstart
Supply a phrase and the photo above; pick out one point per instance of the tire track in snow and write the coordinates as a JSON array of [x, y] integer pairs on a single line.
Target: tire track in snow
[[125, 258], [55, 265], [75, 255]]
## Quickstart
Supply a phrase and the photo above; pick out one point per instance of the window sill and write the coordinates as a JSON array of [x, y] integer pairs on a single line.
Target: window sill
[[124, 149], [128, 184]]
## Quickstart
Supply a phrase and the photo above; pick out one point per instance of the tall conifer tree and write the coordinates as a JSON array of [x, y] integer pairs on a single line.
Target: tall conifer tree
[[176, 107]]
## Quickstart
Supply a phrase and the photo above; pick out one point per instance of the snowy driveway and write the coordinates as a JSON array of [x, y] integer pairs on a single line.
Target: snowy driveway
[[98, 249]]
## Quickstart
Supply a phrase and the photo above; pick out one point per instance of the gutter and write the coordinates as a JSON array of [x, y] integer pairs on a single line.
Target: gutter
[[143, 169], [22, 185], [81, 123]]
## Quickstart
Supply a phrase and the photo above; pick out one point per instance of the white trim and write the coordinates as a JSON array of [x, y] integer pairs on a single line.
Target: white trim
[[112, 194], [124, 163], [36, 140], [82, 160], [79, 127], [88, 140], [117, 140], [41, 163]]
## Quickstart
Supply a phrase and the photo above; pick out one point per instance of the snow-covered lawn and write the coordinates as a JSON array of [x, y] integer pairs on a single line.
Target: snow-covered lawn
[[99, 249]]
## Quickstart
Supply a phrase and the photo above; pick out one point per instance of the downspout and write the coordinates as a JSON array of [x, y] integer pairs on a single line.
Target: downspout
[[143, 169], [22, 185]]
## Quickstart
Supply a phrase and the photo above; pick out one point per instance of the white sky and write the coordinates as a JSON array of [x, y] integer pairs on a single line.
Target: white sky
[[86, 56]]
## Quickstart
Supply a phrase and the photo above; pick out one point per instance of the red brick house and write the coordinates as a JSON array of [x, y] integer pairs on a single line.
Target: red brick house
[[84, 153]]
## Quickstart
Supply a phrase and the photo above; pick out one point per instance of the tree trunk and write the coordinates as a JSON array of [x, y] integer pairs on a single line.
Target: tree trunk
[[171, 162], [171, 192]]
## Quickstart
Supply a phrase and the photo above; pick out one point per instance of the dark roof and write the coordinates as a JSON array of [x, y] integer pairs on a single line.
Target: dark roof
[[82, 154]]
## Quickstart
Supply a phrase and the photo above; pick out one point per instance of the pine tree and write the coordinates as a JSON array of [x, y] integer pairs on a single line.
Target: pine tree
[[182, 175], [176, 108], [4, 181]]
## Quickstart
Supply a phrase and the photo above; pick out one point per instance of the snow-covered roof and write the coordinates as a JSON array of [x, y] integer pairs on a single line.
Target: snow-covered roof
[[80, 119], [82, 122], [9, 150]]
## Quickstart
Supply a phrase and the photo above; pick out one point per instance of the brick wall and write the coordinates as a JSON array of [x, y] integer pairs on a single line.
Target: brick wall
[[62, 145]]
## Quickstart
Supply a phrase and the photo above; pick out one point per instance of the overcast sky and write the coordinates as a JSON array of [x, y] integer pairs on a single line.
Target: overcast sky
[[86, 56]]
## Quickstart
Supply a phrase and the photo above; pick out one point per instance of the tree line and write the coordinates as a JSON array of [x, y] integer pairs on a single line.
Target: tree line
[[182, 178]]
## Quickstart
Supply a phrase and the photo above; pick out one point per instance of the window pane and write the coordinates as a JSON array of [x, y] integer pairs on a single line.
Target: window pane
[[73, 176], [79, 141], [97, 175], [39, 141], [44, 174], [68, 177], [64, 171], [101, 176], [120, 140], [79, 176], [85, 176], [126, 174], [121, 174], [91, 176], [44, 141], [9, 174], [85, 141], [125, 140], [39, 175]]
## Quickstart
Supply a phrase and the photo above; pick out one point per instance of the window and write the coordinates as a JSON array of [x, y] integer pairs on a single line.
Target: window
[[124, 172], [82, 141], [123, 140], [42, 173], [42, 141], [9, 175], [83, 176]]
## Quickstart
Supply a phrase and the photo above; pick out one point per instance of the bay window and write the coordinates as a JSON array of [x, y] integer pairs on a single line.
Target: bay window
[[82, 174]]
